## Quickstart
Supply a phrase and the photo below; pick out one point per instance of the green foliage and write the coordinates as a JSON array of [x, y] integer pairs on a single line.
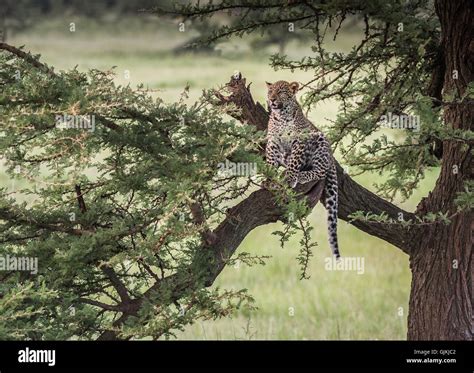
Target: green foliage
[[21, 304], [109, 209], [158, 321], [383, 218], [387, 72], [465, 199], [295, 221], [110, 205]]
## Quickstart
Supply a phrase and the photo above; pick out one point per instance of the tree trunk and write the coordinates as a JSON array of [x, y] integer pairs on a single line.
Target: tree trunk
[[441, 297], [441, 291]]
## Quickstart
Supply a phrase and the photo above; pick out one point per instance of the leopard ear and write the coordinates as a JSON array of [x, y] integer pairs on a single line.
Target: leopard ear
[[294, 86], [268, 84]]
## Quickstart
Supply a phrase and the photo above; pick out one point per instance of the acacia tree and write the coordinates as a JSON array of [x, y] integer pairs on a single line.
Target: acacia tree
[[132, 222], [415, 58]]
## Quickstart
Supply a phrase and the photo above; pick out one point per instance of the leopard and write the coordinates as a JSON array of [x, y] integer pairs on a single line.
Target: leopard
[[295, 144]]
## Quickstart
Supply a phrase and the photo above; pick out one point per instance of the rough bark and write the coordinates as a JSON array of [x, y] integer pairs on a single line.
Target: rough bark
[[442, 265]]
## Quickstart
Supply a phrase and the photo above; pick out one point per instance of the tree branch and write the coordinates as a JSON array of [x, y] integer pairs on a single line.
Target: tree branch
[[200, 220], [28, 57], [104, 306], [108, 270], [258, 209]]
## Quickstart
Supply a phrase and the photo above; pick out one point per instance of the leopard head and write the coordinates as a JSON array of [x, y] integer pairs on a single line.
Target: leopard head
[[282, 95]]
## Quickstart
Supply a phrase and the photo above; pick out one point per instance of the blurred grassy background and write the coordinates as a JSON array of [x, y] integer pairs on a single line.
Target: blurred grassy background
[[330, 305]]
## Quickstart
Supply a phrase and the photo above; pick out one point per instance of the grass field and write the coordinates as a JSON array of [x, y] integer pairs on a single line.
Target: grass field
[[331, 304]]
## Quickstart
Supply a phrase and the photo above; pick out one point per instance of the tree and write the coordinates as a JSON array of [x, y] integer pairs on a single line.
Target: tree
[[413, 60], [133, 251]]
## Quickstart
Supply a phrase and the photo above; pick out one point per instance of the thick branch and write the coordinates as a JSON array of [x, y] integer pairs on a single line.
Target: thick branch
[[251, 112], [256, 210], [354, 197]]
